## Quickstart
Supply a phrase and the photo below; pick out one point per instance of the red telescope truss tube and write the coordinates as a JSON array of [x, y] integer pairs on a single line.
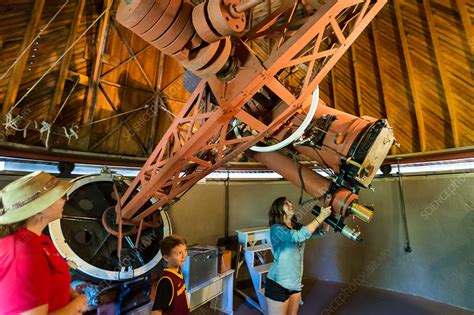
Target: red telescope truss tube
[[251, 96]]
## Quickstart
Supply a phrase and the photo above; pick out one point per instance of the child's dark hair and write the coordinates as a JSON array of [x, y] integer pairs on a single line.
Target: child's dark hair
[[170, 242]]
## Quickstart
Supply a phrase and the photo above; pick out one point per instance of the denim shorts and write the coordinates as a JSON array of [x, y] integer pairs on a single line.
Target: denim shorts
[[276, 292]]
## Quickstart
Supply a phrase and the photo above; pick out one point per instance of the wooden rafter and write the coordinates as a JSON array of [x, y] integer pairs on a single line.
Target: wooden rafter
[[73, 76], [19, 68], [411, 76], [383, 87], [130, 129], [64, 68], [127, 88], [96, 69], [466, 21], [357, 81], [130, 58], [448, 92], [132, 54], [117, 127], [333, 87]]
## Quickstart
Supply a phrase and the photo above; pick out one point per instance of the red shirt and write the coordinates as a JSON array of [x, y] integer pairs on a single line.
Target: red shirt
[[32, 273]]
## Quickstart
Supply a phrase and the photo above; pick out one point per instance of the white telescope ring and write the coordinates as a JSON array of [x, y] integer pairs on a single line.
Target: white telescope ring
[[295, 135]]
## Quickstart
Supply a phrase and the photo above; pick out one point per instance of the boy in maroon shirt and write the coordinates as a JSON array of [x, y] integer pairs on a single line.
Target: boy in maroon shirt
[[171, 296]]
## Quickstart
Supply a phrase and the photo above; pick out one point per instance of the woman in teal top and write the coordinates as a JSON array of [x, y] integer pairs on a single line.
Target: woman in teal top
[[283, 285]]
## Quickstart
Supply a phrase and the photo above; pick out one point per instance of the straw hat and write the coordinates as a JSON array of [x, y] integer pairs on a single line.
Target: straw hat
[[30, 195]]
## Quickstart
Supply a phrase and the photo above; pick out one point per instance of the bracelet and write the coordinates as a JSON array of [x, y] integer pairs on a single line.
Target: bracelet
[[317, 221]]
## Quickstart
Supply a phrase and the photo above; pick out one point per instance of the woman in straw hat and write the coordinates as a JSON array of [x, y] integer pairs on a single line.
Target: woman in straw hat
[[34, 278]]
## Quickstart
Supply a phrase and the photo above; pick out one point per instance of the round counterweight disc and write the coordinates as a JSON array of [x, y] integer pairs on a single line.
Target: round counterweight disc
[[130, 13], [176, 28], [203, 25], [201, 57], [81, 238], [181, 40], [222, 54], [224, 23], [164, 22], [152, 17]]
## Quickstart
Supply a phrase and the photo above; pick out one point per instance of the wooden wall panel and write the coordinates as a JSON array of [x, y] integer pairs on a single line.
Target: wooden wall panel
[[426, 76], [459, 63], [366, 65], [399, 104], [345, 86], [325, 91]]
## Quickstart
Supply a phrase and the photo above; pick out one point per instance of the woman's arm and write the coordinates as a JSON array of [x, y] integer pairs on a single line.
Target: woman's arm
[[325, 212], [40, 310], [77, 306], [281, 234], [73, 294], [157, 313]]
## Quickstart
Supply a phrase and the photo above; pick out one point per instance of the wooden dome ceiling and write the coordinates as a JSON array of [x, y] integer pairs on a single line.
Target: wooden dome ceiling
[[99, 95]]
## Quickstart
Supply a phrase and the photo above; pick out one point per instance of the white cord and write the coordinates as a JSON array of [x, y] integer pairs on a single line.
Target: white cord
[[71, 133], [65, 101], [45, 127], [298, 133], [34, 39]]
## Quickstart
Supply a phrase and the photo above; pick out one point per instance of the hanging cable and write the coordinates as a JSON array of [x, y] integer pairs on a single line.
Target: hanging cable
[[226, 206], [34, 39], [65, 101], [326, 169], [404, 214], [114, 116], [300, 175], [60, 57]]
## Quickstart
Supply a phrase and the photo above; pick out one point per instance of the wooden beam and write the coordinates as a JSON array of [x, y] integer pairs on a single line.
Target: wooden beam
[[95, 72], [411, 76], [383, 87], [130, 129], [117, 127], [110, 60], [64, 68], [448, 92], [51, 154], [83, 79], [17, 72], [466, 21], [126, 61], [333, 87], [132, 54], [126, 88], [357, 81]]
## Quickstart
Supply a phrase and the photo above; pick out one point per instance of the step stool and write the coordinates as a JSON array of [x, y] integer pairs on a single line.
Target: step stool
[[255, 242]]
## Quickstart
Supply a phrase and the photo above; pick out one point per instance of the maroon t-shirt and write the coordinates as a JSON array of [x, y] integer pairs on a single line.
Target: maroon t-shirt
[[32, 273], [171, 296]]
